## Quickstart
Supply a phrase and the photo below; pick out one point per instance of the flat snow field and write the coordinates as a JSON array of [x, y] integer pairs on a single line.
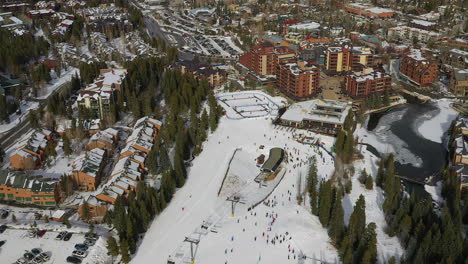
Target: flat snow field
[[17, 242], [241, 238], [249, 104]]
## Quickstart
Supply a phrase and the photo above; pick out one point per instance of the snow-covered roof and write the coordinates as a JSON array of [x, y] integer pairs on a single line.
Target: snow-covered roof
[[423, 23], [319, 110], [305, 26], [58, 214]]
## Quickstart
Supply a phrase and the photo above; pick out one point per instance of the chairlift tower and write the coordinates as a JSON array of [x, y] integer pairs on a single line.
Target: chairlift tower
[[234, 200], [192, 241]]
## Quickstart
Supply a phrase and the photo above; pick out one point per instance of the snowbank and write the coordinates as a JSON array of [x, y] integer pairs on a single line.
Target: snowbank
[[435, 126]]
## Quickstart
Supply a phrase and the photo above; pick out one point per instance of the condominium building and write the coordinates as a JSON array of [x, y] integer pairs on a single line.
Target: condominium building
[[456, 58], [298, 80], [459, 82], [27, 189], [97, 97], [405, 32], [87, 170], [129, 169], [364, 83], [264, 57], [106, 139], [29, 153], [215, 77], [346, 58], [419, 68]]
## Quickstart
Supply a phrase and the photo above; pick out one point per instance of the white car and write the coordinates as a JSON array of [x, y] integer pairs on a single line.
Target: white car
[[44, 256], [21, 261], [80, 253], [37, 260]]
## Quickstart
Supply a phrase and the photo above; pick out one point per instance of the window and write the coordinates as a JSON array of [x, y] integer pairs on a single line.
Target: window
[[28, 199], [10, 196], [50, 203]]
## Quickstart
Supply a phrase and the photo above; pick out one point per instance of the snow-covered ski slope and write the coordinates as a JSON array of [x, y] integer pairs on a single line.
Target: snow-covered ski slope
[[198, 203]]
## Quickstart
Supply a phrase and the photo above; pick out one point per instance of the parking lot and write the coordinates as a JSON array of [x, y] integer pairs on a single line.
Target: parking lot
[[18, 243]]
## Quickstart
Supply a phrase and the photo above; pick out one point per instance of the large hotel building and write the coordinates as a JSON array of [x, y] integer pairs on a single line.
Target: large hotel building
[[364, 83], [347, 58], [298, 80]]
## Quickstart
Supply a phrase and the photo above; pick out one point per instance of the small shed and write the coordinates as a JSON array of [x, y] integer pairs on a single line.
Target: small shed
[[58, 215]]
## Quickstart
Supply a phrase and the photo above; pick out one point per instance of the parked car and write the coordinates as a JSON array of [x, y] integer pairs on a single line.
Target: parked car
[[32, 233], [61, 235], [44, 256], [4, 213], [3, 228], [74, 260], [36, 251], [82, 247], [41, 233], [21, 261], [28, 255], [89, 242], [91, 236], [67, 236], [37, 260], [80, 253]]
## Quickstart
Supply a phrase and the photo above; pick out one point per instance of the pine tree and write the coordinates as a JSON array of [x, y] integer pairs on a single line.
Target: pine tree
[[339, 143], [124, 251], [112, 247], [369, 182], [179, 169], [357, 222], [367, 250], [325, 203], [66, 146], [312, 182], [380, 175], [85, 211], [337, 227], [204, 120], [33, 119], [3, 108], [386, 98]]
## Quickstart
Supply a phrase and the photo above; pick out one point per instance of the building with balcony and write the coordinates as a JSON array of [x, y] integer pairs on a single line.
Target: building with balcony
[[367, 82], [458, 84], [87, 170], [23, 188], [298, 80], [29, 153], [419, 68], [96, 99], [264, 57], [348, 58]]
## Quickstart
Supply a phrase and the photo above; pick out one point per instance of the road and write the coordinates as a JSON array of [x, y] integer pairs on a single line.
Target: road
[[8, 138]]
